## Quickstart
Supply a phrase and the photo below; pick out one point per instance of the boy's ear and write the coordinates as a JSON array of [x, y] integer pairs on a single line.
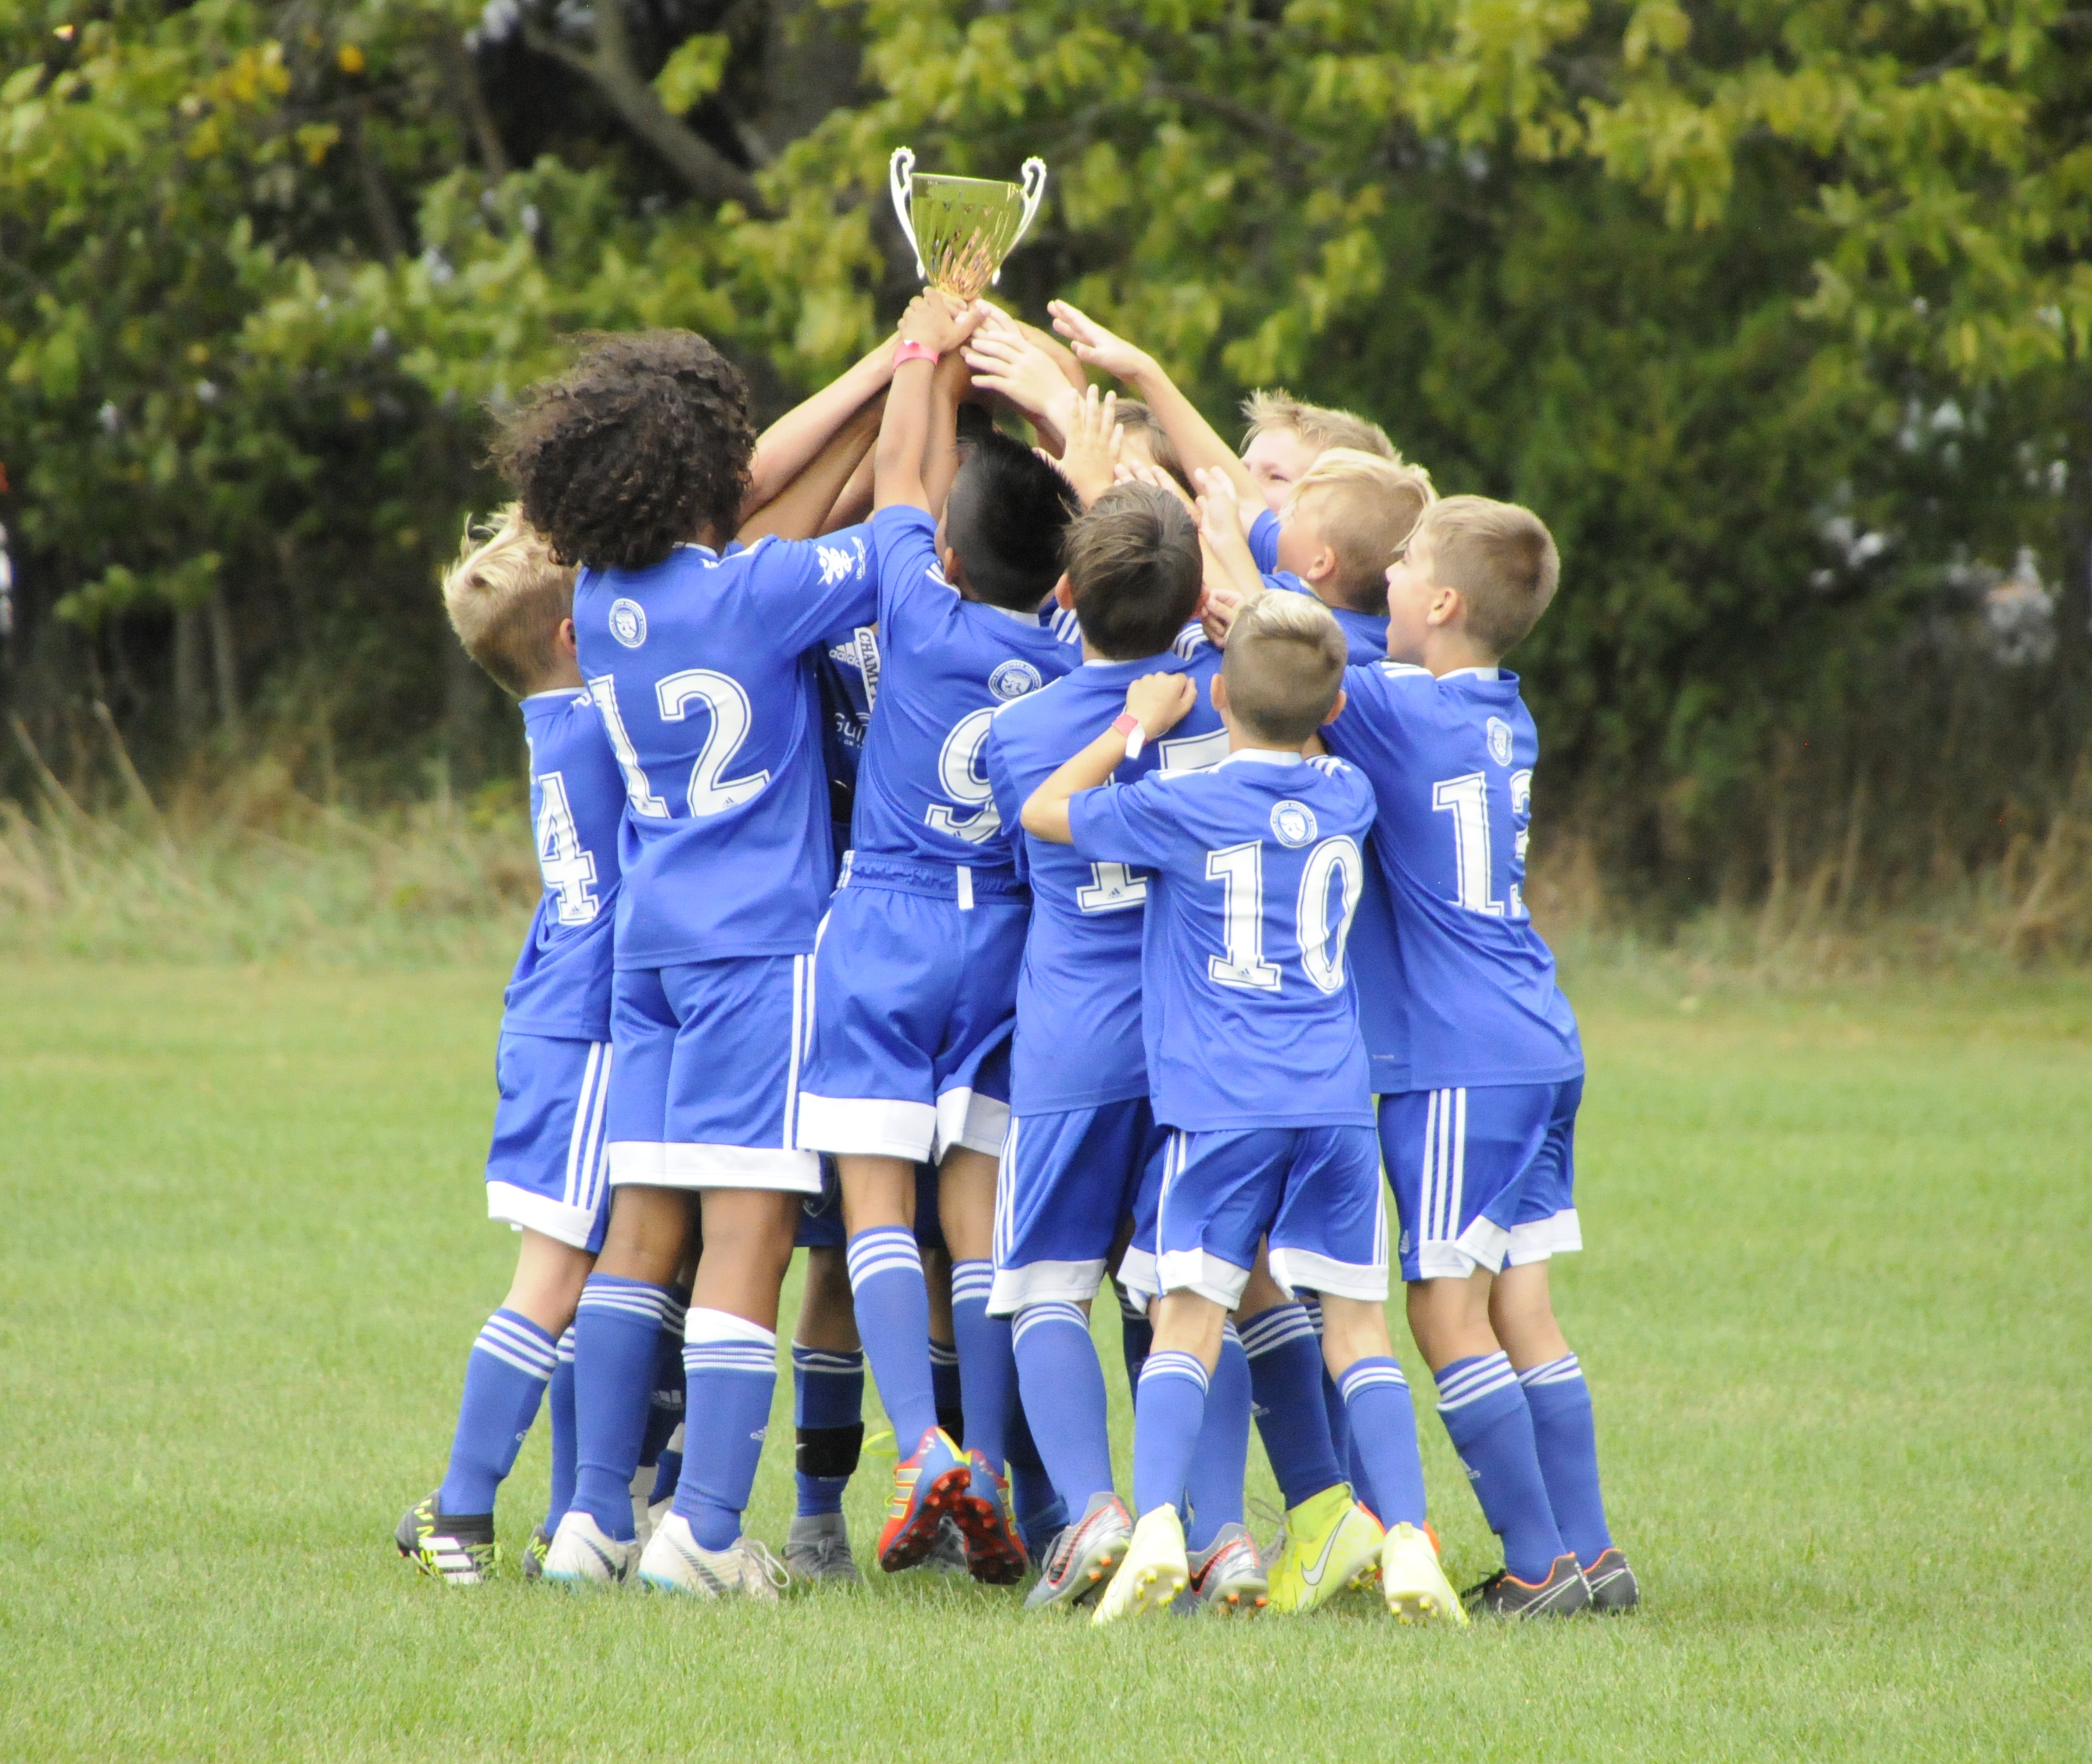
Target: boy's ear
[[948, 560], [1446, 608], [565, 641], [1322, 566], [1335, 710], [1063, 592], [1221, 694]]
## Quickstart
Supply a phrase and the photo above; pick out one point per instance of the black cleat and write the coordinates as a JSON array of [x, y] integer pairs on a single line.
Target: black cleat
[[1614, 1588], [534, 1554], [458, 1547], [1562, 1593]]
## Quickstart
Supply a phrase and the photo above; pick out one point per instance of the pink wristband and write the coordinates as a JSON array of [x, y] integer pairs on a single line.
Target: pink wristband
[[909, 350], [1136, 738]]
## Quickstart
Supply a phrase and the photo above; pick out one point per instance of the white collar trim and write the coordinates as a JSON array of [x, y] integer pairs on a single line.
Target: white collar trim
[[1475, 673], [1264, 756]]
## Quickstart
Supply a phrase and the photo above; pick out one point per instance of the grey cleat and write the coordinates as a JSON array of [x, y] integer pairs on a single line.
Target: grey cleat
[[817, 1548], [948, 1554], [1226, 1576], [1080, 1563], [1562, 1593]]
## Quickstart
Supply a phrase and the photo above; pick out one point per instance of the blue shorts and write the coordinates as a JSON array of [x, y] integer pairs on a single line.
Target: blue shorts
[[821, 1215], [547, 1170], [1067, 1182], [1482, 1178], [706, 1074], [915, 996], [1314, 1192]]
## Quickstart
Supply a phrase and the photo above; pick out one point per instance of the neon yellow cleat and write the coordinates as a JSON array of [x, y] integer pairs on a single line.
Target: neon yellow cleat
[[1156, 1569], [1331, 1544], [1412, 1583]]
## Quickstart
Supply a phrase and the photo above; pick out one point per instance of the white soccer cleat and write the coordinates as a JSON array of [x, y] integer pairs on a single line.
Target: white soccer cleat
[[676, 1562], [642, 1508], [1413, 1583], [581, 1555], [1156, 1569]]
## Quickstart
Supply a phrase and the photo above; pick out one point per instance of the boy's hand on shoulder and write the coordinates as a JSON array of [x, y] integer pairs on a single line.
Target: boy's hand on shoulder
[[1160, 701], [1216, 617], [1097, 347]]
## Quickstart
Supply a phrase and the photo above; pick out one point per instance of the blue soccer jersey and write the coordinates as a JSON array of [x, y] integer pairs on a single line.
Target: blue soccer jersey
[[1365, 634], [846, 673], [561, 985], [947, 665], [1451, 761], [698, 666], [1078, 1043], [1251, 1017]]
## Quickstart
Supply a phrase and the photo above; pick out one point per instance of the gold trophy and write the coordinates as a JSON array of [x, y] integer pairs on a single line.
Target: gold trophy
[[962, 228]]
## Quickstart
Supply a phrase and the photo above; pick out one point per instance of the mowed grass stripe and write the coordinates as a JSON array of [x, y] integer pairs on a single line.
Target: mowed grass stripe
[[1834, 1315]]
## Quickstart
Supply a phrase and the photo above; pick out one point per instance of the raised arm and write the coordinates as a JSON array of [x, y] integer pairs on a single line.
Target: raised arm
[[1197, 444], [790, 445], [1010, 359], [803, 507], [1156, 701], [933, 325], [949, 386]]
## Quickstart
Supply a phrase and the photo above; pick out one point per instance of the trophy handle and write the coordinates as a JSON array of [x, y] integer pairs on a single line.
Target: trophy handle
[[900, 170], [1034, 175]]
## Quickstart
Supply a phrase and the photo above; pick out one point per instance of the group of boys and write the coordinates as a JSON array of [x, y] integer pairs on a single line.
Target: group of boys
[[1035, 883]]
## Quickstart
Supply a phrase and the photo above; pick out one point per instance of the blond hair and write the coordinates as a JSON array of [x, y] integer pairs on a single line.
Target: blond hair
[[1318, 425], [1366, 507], [1136, 418], [1284, 663], [506, 599], [1501, 559]]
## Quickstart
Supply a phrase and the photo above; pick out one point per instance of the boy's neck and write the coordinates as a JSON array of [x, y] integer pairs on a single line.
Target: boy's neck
[[1447, 652], [1240, 743]]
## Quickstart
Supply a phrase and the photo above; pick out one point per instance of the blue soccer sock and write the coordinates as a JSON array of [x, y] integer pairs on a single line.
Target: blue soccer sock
[[730, 1367], [1384, 1435], [1213, 1485], [1136, 1334], [1484, 1412], [667, 1469], [1337, 1419], [945, 1386], [893, 1320], [1560, 1403], [559, 1401], [1063, 1386], [1286, 1378], [664, 1407], [1169, 1409], [987, 1363], [505, 1377], [1040, 1510], [828, 1414], [617, 1329]]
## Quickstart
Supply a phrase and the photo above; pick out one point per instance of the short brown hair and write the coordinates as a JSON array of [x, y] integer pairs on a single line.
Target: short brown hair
[[1318, 425], [1136, 418], [1284, 665], [1366, 506], [1502, 560], [506, 598], [1134, 564]]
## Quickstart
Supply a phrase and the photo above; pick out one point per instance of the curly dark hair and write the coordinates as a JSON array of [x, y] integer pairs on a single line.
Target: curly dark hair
[[643, 443]]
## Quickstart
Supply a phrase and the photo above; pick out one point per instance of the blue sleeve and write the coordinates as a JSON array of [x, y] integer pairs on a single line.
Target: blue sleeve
[[808, 587], [1263, 541], [1372, 727], [904, 543], [1008, 803], [1284, 582], [1125, 824]]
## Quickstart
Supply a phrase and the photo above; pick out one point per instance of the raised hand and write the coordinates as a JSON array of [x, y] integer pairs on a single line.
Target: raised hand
[[1004, 359], [1142, 471], [935, 318], [1094, 344], [1090, 456]]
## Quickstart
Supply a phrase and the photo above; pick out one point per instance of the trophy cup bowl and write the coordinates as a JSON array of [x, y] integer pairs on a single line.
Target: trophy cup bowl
[[962, 228]]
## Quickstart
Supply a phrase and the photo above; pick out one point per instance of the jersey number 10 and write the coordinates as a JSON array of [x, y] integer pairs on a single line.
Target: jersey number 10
[[1239, 870]]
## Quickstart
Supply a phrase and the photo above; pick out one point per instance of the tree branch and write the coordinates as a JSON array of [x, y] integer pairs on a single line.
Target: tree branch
[[471, 99], [706, 172]]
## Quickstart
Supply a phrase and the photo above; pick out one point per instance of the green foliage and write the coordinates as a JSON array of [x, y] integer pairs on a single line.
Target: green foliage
[[1780, 316]]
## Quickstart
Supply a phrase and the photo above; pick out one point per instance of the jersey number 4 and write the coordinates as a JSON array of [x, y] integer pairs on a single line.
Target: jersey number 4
[[1239, 870], [676, 695], [568, 870]]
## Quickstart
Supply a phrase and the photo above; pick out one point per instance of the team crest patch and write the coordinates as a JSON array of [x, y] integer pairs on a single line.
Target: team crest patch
[[628, 623], [1292, 823], [1014, 679], [1499, 740]]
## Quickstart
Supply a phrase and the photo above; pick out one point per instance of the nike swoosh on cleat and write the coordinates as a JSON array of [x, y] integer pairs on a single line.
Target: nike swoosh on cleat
[[1313, 1576]]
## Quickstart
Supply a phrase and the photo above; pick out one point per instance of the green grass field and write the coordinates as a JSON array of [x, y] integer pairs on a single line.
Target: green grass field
[[1835, 1312]]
